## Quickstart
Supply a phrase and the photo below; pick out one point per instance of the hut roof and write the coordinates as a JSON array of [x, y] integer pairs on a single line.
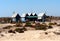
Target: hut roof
[[24, 14], [31, 14], [40, 15]]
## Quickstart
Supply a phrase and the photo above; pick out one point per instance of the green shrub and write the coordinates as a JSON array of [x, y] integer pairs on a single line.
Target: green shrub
[[40, 27], [7, 27], [49, 27], [18, 25], [28, 24], [24, 29], [20, 30], [11, 31], [0, 31], [37, 25], [52, 23]]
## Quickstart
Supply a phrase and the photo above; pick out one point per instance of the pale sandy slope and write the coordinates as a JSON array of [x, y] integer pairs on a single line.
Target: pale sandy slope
[[31, 36]]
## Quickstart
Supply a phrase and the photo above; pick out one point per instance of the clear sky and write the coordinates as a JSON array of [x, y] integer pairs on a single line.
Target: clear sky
[[51, 7]]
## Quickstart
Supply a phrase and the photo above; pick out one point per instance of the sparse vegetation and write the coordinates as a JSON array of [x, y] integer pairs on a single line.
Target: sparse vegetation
[[44, 23], [53, 23], [49, 27], [2, 35], [28, 24], [40, 27], [11, 31], [7, 27], [18, 25], [20, 30], [24, 29], [46, 33], [57, 33]]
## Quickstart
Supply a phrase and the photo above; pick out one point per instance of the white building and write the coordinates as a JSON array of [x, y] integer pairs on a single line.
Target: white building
[[41, 17], [30, 16]]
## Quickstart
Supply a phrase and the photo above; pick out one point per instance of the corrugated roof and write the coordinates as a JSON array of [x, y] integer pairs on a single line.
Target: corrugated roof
[[40, 15], [23, 15], [34, 14], [29, 14]]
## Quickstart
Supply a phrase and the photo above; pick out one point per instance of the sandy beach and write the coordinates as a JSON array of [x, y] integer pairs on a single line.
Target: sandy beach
[[35, 35], [31, 35]]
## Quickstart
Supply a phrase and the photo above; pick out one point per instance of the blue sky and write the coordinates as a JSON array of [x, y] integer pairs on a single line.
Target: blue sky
[[51, 7]]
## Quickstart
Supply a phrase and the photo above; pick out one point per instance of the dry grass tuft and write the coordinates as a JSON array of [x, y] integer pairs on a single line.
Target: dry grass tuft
[[18, 25], [11, 31], [49, 27], [7, 27], [52, 23], [39, 26], [20, 30]]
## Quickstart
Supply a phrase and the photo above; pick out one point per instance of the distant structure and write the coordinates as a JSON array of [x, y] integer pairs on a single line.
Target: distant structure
[[41, 17], [16, 17], [30, 16]]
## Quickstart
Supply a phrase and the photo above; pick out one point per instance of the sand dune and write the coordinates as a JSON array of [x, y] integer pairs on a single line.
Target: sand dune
[[32, 35], [35, 35]]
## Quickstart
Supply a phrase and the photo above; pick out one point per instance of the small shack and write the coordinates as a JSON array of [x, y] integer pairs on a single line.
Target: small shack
[[31, 17], [42, 17], [16, 17]]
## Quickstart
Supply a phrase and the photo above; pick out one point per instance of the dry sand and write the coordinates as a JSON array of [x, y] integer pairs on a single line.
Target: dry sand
[[35, 35], [32, 35]]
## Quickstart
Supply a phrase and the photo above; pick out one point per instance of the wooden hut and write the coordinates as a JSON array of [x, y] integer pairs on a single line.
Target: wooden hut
[[31, 17], [16, 17], [41, 17]]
